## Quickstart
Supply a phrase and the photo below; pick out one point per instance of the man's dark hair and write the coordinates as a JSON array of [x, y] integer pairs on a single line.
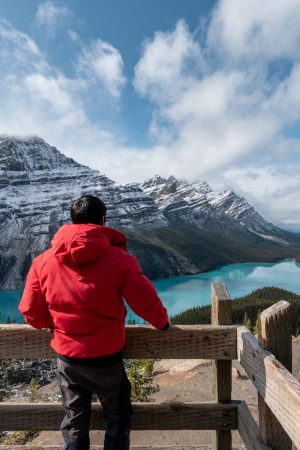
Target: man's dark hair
[[88, 209]]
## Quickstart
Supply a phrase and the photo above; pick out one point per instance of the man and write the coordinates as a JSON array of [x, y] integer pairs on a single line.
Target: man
[[77, 288]]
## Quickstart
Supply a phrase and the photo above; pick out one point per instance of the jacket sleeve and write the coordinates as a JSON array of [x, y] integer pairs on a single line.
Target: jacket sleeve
[[33, 304], [142, 298]]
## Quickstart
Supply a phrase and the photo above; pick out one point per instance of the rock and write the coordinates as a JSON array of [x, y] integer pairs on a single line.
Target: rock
[[37, 187], [15, 375], [23, 371], [225, 212]]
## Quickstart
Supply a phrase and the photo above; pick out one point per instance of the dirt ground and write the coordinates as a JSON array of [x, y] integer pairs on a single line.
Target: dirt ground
[[183, 380]]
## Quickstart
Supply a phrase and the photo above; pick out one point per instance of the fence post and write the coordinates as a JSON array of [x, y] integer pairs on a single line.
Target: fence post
[[221, 370], [275, 335]]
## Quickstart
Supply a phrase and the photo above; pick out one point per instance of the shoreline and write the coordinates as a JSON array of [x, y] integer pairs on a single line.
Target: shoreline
[[212, 269], [220, 266]]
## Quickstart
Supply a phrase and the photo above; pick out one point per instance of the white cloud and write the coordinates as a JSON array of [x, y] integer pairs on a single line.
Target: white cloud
[[49, 15], [274, 191], [58, 95], [164, 68], [103, 62], [37, 98], [227, 108], [284, 102], [15, 45], [208, 116], [209, 98], [255, 30], [73, 35], [217, 113], [33, 93]]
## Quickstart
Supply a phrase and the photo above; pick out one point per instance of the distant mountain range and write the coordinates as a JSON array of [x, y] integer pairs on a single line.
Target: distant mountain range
[[224, 213], [172, 226]]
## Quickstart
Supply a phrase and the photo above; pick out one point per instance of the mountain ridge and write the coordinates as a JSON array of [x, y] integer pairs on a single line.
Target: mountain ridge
[[198, 203], [38, 184]]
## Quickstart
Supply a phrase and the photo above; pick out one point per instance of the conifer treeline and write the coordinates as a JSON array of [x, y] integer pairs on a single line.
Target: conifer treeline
[[246, 308]]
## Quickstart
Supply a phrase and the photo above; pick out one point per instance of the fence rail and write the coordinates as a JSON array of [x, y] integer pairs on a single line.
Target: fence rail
[[182, 342], [220, 342], [249, 430], [148, 416], [277, 386]]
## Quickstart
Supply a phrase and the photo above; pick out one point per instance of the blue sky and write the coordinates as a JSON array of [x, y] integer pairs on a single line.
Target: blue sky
[[199, 89], [123, 24]]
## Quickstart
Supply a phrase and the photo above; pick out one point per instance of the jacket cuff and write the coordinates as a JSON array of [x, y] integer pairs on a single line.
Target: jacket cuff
[[165, 327]]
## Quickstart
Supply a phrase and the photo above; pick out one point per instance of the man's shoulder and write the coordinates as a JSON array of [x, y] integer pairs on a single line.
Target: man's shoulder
[[122, 257], [42, 258], [118, 252]]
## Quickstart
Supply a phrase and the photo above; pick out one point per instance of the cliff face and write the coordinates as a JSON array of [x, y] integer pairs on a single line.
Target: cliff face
[[225, 213], [38, 185]]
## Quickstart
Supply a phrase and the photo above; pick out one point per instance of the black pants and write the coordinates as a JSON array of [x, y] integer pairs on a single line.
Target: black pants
[[110, 383]]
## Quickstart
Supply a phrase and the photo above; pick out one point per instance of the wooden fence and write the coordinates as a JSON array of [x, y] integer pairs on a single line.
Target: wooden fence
[[222, 342]]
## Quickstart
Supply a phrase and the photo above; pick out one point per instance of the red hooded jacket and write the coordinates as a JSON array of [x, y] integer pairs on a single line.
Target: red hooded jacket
[[77, 287]]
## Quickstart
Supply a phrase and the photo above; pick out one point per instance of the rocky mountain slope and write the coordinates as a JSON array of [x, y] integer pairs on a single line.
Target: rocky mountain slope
[[37, 187], [173, 227], [225, 213]]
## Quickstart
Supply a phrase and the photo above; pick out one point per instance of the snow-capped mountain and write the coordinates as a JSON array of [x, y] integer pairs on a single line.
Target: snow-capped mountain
[[37, 178], [165, 219], [198, 204], [37, 187]]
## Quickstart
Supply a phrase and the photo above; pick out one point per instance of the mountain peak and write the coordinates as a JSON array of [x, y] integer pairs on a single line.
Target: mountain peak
[[31, 139], [31, 153], [38, 184], [153, 181], [173, 179], [199, 204]]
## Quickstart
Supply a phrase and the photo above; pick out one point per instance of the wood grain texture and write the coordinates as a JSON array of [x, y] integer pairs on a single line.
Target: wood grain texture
[[221, 305], [221, 370], [275, 332], [142, 341], [249, 430], [277, 386], [221, 381], [147, 416], [100, 447], [275, 335]]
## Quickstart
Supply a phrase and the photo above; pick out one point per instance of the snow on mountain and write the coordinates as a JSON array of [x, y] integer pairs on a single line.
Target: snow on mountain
[[178, 200], [197, 203], [37, 187], [36, 178]]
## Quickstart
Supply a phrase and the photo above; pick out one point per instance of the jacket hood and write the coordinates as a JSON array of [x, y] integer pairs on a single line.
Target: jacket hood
[[76, 244]]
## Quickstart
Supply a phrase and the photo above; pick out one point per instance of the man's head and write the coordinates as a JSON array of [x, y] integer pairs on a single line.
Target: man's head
[[88, 209]]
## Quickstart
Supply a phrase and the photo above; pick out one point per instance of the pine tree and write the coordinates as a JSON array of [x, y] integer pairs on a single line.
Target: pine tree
[[247, 322], [140, 374], [33, 390], [298, 332], [131, 321], [256, 326]]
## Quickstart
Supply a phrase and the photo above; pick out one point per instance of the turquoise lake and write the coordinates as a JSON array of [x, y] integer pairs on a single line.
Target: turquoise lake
[[181, 293]]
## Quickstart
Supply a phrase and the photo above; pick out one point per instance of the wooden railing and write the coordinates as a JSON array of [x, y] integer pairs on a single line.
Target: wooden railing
[[279, 391]]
